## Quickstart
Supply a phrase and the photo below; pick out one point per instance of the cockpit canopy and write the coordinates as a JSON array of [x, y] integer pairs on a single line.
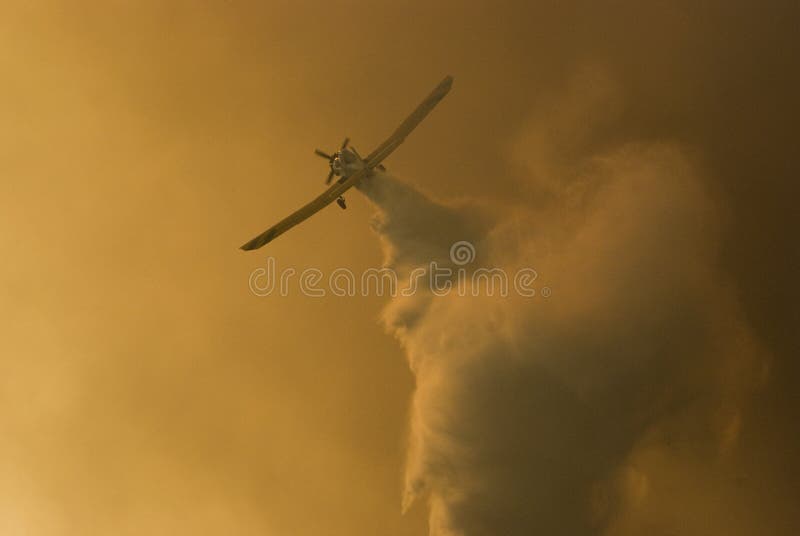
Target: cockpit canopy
[[337, 165], [341, 159]]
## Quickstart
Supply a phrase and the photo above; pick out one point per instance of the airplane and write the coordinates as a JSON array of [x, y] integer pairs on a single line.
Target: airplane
[[351, 168]]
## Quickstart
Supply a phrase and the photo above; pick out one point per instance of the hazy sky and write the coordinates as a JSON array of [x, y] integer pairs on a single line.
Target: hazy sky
[[145, 390]]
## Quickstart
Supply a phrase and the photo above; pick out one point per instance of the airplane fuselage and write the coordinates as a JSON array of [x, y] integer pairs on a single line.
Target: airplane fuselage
[[346, 162]]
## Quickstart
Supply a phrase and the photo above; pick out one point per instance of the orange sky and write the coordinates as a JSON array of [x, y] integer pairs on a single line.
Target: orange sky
[[144, 390]]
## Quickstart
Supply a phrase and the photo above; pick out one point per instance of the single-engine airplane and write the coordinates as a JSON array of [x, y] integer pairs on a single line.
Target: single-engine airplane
[[351, 168]]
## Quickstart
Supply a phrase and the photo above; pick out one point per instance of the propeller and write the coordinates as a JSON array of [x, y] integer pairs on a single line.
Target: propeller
[[331, 158]]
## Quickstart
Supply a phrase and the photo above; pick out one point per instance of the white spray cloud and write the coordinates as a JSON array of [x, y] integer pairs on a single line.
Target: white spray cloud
[[528, 411]]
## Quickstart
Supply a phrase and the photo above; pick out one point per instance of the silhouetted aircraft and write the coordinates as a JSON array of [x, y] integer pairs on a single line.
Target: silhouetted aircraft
[[351, 168]]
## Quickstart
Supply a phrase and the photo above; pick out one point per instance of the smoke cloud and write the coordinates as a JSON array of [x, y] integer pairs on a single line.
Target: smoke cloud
[[560, 415]]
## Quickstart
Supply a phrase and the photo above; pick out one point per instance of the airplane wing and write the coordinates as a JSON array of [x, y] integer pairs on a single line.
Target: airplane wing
[[411, 122], [372, 160], [326, 198]]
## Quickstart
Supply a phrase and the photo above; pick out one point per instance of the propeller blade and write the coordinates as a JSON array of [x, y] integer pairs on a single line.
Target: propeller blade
[[330, 176], [323, 154], [344, 143]]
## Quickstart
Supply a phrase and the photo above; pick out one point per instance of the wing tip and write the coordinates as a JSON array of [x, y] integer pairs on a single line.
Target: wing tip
[[443, 88], [261, 240], [251, 245]]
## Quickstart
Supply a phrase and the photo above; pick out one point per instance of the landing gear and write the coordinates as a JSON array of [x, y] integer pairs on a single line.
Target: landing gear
[[341, 203]]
